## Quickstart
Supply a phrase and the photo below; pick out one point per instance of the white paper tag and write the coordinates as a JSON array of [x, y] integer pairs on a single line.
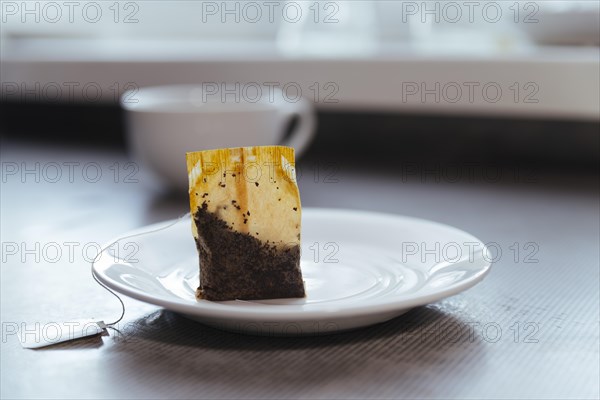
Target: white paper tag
[[36, 335]]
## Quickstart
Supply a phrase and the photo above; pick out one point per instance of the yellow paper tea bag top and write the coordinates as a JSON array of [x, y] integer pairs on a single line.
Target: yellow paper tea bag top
[[246, 214]]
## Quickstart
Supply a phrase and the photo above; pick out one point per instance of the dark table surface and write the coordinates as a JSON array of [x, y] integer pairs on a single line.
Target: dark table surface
[[530, 329]]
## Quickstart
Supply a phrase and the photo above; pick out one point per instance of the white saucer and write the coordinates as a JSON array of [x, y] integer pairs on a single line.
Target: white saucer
[[360, 268]]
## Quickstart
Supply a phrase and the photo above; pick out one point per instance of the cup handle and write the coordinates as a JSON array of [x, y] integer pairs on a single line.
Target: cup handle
[[302, 135]]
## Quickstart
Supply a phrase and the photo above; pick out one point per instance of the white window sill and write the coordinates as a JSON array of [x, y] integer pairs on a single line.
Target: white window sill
[[562, 82]]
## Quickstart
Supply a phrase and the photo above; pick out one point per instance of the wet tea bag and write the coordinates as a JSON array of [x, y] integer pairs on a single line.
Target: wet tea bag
[[246, 217]]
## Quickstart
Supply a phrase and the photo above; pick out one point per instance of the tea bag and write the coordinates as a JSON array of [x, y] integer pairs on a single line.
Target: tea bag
[[246, 218]]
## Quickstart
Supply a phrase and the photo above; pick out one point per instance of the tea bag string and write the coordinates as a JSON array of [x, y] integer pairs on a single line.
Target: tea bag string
[[175, 221]]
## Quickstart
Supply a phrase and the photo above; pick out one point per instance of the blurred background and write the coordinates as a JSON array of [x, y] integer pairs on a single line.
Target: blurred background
[[520, 75]]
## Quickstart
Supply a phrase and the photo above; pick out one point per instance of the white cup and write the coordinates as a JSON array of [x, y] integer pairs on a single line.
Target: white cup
[[165, 122]]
